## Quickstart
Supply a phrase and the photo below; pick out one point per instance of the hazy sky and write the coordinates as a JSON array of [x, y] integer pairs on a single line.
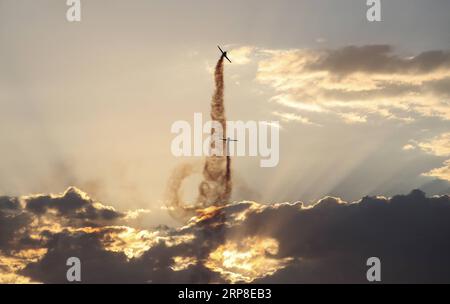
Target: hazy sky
[[364, 107]]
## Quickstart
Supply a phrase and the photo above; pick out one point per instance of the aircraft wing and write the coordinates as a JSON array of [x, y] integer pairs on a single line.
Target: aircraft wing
[[228, 58]]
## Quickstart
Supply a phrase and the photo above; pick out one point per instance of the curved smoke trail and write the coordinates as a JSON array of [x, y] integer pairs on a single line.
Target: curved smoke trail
[[216, 187]]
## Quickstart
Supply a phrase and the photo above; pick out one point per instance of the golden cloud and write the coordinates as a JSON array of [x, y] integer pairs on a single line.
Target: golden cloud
[[439, 146], [354, 82], [246, 260], [441, 173]]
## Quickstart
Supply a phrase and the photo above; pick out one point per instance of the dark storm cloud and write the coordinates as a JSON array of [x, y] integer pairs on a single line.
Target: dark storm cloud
[[18, 221], [409, 233], [12, 225], [328, 242], [13, 222], [99, 265], [72, 204], [103, 266], [379, 59], [8, 203]]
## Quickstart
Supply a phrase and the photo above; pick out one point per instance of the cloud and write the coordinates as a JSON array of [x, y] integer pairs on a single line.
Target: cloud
[[12, 224], [356, 82], [72, 204], [441, 172], [438, 146], [408, 147], [353, 118], [9, 203], [288, 117], [239, 242], [378, 59], [241, 55]]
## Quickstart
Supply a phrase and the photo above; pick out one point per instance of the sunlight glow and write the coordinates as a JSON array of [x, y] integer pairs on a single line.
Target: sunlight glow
[[247, 260]]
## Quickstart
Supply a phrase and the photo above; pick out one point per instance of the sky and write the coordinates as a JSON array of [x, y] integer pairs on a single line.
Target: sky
[[364, 107]]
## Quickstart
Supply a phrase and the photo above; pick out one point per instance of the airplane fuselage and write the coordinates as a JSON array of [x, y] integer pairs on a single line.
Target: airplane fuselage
[[224, 54]]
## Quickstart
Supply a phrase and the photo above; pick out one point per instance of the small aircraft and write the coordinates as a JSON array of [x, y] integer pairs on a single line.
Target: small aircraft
[[229, 139], [224, 54]]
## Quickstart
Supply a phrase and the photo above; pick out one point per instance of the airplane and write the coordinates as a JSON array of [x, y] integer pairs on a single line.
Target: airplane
[[229, 139], [224, 54]]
